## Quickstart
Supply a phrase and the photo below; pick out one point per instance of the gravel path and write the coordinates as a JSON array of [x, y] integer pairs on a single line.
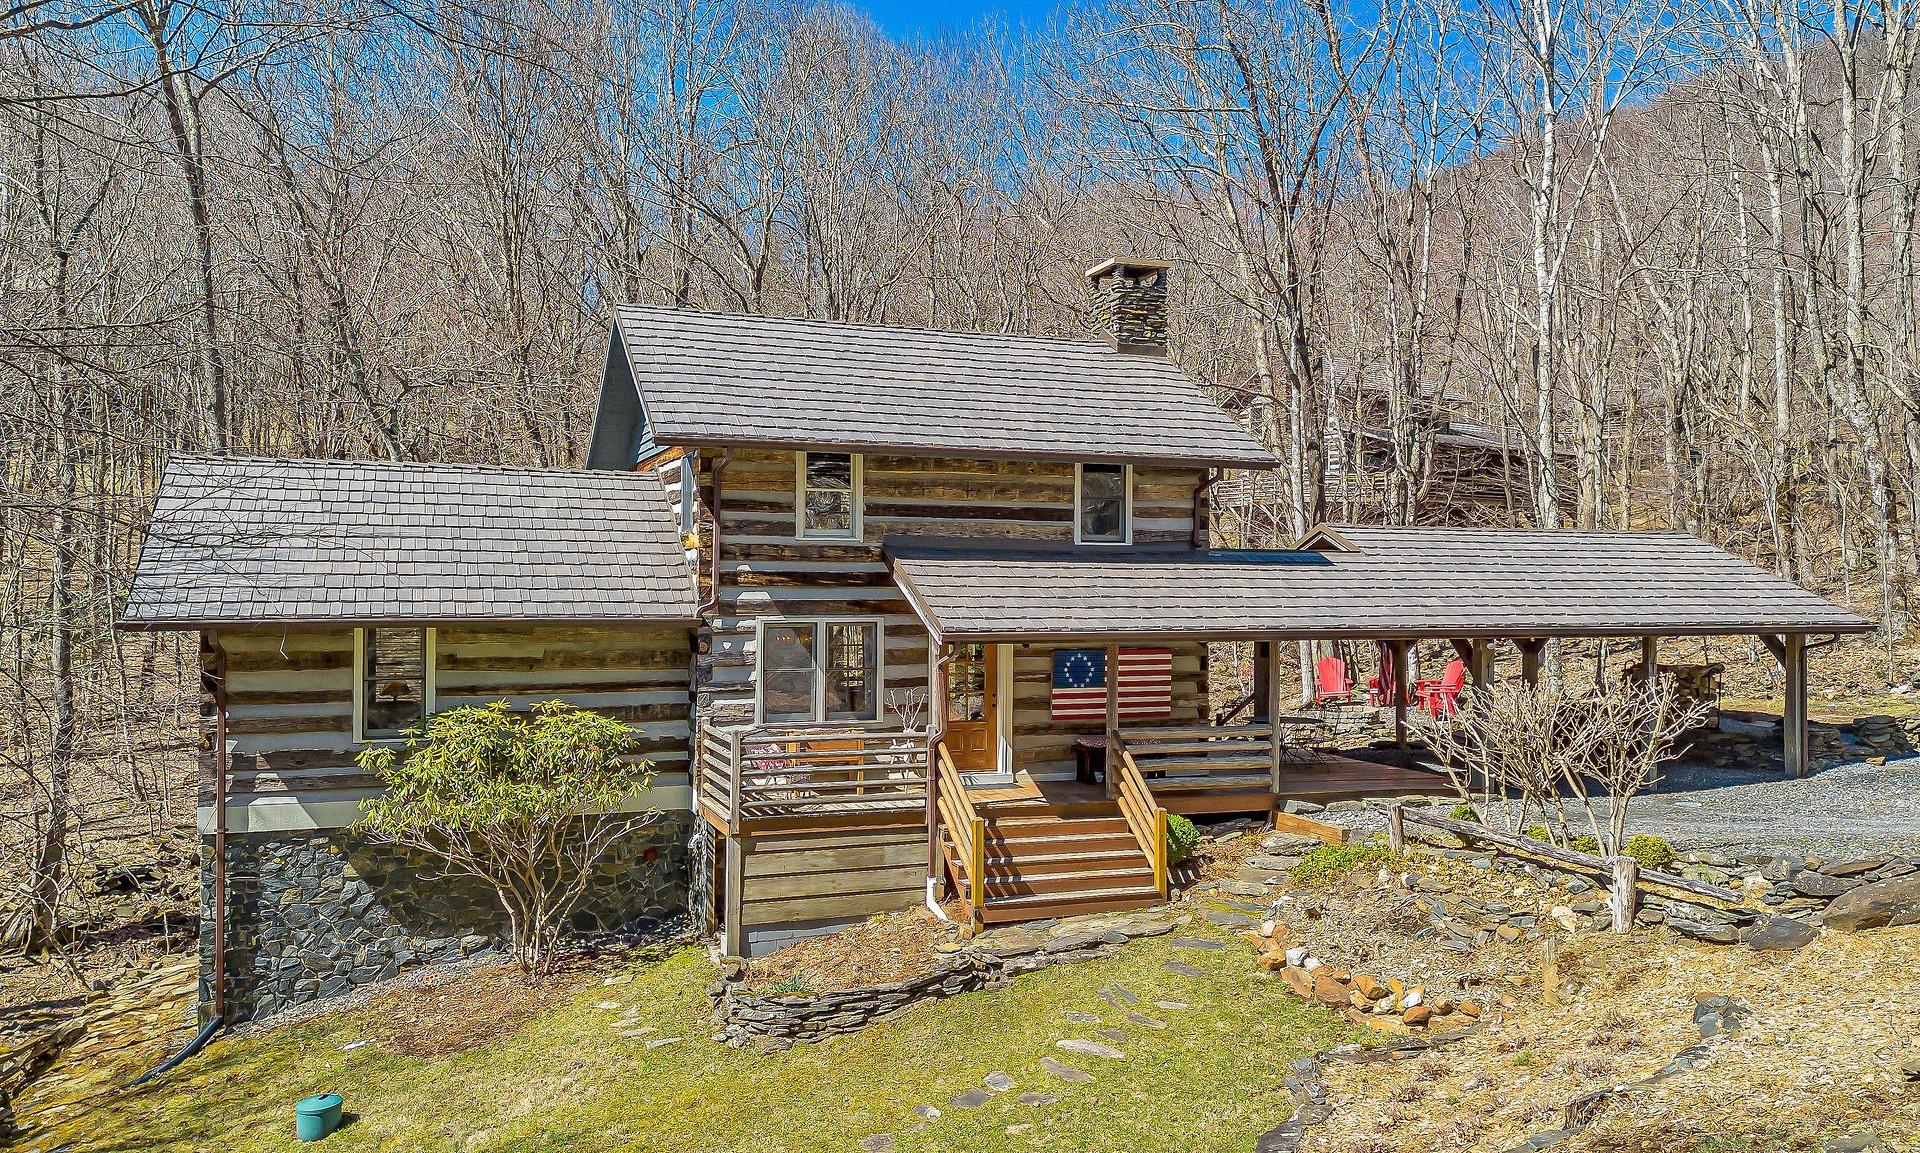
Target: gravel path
[[1848, 809]]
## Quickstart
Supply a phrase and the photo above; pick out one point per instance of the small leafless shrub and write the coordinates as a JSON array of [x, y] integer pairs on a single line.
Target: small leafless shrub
[[1410, 1091], [1589, 1067]]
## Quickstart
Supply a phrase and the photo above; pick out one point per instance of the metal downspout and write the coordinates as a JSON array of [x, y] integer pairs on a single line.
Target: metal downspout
[[1201, 537], [220, 769], [936, 732]]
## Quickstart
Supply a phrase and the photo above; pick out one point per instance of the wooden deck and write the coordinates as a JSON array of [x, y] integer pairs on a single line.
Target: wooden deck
[[818, 825]]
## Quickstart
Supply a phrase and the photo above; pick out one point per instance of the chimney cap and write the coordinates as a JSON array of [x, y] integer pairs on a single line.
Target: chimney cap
[[1127, 266]]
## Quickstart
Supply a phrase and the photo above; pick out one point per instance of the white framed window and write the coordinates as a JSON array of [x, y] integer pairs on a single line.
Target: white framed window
[[820, 671], [393, 671], [1103, 504], [827, 495]]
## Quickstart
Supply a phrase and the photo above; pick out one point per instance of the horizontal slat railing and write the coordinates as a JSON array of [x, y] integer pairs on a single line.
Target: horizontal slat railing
[[758, 772], [966, 827], [1202, 756], [1144, 816]]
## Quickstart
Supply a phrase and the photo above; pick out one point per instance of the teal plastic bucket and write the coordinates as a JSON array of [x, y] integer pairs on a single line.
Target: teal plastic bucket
[[315, 1117]]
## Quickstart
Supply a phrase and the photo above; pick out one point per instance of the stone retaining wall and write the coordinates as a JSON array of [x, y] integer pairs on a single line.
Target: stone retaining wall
[[311, 915], [780, 1020]]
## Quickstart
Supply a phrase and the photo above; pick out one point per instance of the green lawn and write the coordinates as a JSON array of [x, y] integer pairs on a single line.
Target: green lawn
[[1211, 1081]]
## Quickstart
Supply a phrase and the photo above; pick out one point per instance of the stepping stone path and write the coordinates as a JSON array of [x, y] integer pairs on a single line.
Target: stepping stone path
[[971, 1099], [662, 1042], [1175, 1006], [998, 1081], [1184, 969], [1064, 1072], [1197, 943], [1074, 1017], [877, 1143], [1113, 1034], [1090, 1049], [1143, 1019], [926, 1112], [1035, 1099], [1222, 919]]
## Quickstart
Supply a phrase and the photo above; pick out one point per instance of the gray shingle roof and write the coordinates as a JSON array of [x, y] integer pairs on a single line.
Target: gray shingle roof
[[708, 378], [238, 540], [1400, 583]]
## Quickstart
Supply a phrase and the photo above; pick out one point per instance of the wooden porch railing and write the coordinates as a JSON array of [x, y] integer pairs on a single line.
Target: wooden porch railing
[[1205, 756], [964, 825], [797, 776], [1144, 816]]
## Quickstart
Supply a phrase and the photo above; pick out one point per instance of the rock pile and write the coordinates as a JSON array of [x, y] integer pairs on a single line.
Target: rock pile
[[1389, 1006], [1797, 894]]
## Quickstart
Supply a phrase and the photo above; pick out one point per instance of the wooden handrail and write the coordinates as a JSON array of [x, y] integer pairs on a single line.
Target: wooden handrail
[[968, 828], [1144, 816]]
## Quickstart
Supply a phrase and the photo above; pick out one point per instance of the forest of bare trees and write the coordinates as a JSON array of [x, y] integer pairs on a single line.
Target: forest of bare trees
[[1661, 252]]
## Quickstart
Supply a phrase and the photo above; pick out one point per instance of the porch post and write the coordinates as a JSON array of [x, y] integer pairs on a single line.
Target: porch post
[[1113, 710], [1649, 660], [1273, 715], [1793, 720], [1480, 665], [1530, 658], [1399, 651]]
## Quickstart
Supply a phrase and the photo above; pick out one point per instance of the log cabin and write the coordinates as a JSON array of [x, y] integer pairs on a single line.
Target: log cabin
[[903, 616]]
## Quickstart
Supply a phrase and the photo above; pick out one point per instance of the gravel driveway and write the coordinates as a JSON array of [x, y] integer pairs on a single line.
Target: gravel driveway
[[1850, 809]]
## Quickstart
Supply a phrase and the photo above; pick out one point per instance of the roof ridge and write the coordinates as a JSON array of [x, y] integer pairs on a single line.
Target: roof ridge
[[870, 326], [442, 466]]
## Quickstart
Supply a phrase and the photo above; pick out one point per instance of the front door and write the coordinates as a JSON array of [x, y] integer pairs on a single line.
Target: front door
[[973, 708]]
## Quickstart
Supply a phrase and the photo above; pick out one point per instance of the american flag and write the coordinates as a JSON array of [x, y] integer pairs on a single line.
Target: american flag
[[1080, 684]]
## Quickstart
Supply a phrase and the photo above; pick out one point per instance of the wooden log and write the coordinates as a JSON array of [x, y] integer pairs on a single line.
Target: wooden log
[[1397, 829], [1626, 879], [1569, 857], [1307, 827]]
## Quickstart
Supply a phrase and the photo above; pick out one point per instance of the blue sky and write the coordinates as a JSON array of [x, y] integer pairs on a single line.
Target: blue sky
[[906, 19]]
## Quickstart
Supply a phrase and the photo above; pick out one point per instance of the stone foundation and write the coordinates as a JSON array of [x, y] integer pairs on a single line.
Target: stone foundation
[[312, 915]]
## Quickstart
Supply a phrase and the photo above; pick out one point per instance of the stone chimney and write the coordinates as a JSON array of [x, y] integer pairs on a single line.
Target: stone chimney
[[1130, 304]]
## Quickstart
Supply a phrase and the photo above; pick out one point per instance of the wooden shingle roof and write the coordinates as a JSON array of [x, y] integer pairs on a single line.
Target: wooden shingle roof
[[709, 378], [1400, 583], [238, 540]]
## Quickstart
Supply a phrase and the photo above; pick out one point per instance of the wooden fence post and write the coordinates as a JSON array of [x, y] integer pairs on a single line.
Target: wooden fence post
[[1397, 829], [1626, 878]]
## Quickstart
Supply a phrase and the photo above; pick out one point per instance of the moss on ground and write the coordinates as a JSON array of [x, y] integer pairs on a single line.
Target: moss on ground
[[567, 1080]]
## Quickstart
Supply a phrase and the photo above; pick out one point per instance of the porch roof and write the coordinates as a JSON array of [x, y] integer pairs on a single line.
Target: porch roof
[[1360, 583]]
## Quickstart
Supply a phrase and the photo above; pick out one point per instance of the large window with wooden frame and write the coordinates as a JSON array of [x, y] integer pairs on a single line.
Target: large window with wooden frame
[[819, 671], [392, 682], [827, 504], [1103, 504]]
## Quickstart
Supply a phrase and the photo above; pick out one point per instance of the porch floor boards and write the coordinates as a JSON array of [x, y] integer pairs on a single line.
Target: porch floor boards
[[1305, 775]]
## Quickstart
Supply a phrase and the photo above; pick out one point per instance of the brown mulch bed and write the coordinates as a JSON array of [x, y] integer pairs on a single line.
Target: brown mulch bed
[[466, 1011]]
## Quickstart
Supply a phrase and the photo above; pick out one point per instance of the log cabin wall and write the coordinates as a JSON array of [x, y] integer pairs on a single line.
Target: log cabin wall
[[1044, 746], [290, 700], [767, 573]]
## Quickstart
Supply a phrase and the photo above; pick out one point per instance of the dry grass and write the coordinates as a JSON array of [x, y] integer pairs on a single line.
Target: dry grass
[[465, 1012]]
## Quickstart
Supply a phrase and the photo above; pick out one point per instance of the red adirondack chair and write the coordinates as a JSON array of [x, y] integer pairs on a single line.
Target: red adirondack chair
[[1334, 686], [1440, 698]]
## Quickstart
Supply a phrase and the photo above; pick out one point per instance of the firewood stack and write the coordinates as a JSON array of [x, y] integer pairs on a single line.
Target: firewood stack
[[1692, 684]]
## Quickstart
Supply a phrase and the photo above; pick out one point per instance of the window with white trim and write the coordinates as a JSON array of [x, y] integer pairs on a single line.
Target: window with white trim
[[1103, 504], [392, 682], [828, 487], [820, 670]]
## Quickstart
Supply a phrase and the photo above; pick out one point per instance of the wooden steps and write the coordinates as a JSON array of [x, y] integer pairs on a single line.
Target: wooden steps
[[1041, 862]]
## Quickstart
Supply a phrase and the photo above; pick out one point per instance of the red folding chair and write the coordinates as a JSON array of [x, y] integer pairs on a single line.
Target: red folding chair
[[1442, 697], [1333, 685]]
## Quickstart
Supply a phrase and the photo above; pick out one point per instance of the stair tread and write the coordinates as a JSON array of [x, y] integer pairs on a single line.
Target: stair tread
[[1130, 852], [1074, 896]]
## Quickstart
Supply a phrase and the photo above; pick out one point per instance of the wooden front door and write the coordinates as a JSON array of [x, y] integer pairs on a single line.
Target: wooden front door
[[973, 706]]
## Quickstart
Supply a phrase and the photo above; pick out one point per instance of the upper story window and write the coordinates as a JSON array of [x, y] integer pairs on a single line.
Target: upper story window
[[828, 507], [1103, 504], [393, 681], [824, 670]]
